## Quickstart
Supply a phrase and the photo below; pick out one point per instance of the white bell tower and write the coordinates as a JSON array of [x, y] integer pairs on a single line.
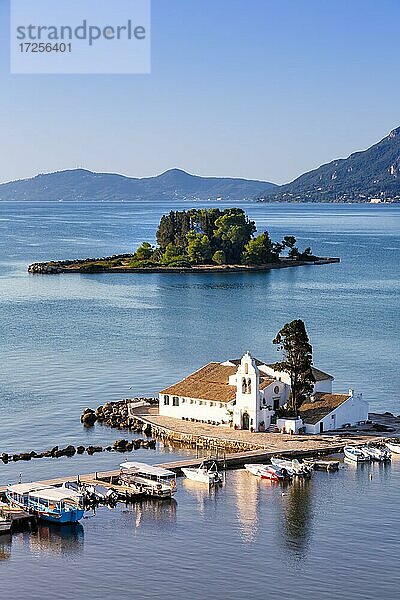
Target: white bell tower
[[247, 386]]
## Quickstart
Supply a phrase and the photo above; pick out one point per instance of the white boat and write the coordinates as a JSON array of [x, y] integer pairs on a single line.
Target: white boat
[[152, 481], [203, 473], [395, 448], [356, 454], [292, 467], [265, 472], [379, 454]]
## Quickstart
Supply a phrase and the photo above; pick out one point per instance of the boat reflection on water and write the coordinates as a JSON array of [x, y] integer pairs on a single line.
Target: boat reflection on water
[[55, 539], [5, 546], [297, 515], [152, 512], [204, 494]]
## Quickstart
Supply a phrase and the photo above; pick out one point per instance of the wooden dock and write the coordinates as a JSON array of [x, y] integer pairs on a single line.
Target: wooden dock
[[235, 460]]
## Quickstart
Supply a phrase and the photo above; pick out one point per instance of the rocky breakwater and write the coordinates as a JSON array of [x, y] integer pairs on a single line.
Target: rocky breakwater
[[116, 415], [85, 265], [120, 445]]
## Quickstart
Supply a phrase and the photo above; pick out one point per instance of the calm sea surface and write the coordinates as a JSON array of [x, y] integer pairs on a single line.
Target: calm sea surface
[[79, 340]]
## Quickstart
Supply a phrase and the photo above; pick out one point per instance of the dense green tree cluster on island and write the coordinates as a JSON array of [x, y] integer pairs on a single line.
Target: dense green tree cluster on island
[[213, 237]]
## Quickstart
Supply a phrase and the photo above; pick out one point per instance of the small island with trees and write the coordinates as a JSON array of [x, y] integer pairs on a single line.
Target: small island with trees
[[198, 240]]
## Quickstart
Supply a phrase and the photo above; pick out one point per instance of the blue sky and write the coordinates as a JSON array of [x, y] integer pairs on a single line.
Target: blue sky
[[261, 89]]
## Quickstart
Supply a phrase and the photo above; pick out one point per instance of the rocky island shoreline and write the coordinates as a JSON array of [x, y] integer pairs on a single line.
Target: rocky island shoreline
[[121, 264]]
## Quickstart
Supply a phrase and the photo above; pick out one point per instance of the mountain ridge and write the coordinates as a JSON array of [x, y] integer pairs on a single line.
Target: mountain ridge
[[86, 185], [374, 172]]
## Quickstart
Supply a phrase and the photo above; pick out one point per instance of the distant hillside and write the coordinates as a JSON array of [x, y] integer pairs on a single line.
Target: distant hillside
[[363, 175], [82, 185]]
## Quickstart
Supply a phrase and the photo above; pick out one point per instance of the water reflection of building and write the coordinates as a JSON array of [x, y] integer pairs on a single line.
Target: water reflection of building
[[246, 489], [64, 540]]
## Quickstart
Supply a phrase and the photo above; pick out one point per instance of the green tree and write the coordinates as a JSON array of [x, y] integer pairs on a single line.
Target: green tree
[[219, 257], [232, 232], [144, 252], [306, 254], [173, 253], [198, 249], [260, 251], [293, 341], [173, 229], [289, 241]]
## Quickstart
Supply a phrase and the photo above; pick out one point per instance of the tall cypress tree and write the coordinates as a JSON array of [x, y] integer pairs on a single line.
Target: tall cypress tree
[[293, 341]]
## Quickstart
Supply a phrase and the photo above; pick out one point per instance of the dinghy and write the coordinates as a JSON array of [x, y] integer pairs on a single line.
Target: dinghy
[[355, 454], [204, 473], [292, 467], [266, 472], [323, 465], [379, 454]]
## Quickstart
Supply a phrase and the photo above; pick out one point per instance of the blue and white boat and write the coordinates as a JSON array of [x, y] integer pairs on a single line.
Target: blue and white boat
[[55, 504]]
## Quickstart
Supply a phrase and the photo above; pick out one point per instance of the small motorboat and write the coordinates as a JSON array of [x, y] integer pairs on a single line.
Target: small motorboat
[[356, 454], [375, 453], [393, 447], [324, 465], [292, 467], [204, 473], [266, 472], [94, 493]]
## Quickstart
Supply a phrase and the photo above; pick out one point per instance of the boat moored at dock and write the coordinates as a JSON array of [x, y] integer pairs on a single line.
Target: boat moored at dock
[[152, 481], [205, 473], [266, 472], [323, 465], [375, 453], [292, 467], [356, 454], [49, 503]]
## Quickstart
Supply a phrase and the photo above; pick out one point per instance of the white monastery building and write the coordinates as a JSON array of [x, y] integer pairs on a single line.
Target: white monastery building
[[246, 393]]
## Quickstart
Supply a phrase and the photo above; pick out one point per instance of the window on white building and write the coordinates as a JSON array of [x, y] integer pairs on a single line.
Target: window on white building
[[166, 399], [175, 401]]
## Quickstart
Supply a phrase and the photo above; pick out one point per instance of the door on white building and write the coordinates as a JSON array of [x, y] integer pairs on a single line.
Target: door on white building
[[245, 421], [321, 427]]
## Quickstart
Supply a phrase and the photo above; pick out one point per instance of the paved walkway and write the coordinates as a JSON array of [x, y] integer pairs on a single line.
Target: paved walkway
[[276, 442]]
